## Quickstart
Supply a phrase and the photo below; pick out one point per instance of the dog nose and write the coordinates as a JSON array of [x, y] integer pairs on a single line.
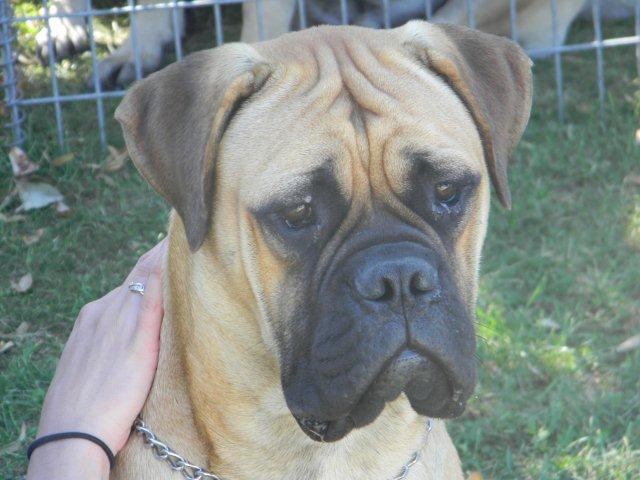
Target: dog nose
[[391, 280]]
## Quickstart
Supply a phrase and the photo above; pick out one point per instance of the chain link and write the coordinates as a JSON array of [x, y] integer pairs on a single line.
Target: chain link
[[163, 452], [192, 472], [404, 471]]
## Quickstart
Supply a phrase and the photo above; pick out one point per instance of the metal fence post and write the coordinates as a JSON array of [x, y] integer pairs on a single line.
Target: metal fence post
[[513, 19], [10, 84], [428, 9], [557, 59], [471, 14], [15, 105], [53, 71], [597, 29], [344, 12]]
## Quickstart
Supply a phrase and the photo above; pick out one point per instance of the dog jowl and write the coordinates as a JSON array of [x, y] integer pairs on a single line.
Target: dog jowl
[[341, 177]]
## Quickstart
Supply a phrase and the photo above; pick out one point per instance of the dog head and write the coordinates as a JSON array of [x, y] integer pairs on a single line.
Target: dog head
[[342, 174]]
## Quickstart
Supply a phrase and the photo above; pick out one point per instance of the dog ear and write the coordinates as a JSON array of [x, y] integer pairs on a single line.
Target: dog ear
[[492, 77], [173, 122]]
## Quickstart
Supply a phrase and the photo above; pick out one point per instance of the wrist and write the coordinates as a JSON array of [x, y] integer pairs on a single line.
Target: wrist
[[69, 459]]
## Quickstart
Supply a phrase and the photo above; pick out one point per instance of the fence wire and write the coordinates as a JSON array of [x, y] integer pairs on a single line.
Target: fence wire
[[15, 103]]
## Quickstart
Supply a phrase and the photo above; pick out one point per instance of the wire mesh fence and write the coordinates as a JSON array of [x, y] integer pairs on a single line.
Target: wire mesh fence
[[258, 19]]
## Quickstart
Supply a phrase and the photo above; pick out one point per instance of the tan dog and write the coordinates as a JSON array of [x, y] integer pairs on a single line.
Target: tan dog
[[156, 27], [534, 20], [331, 194]]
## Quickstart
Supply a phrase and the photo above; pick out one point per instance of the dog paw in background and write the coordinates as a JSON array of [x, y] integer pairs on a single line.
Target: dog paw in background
[[154, 33], [68, 34]]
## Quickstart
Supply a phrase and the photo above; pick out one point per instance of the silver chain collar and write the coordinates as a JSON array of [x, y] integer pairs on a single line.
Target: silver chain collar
[[192, 472]]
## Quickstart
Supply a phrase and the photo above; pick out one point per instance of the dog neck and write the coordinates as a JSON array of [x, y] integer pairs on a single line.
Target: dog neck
[[222, 379]]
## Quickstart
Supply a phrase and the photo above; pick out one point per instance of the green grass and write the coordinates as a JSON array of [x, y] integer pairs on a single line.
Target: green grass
[[549, 405]]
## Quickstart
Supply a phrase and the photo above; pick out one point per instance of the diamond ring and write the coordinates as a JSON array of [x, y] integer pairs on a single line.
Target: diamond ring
[[136, 287]]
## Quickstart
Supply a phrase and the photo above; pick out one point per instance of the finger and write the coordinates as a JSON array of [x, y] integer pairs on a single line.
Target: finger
[[108, 312], [151, 312], [150, 261], [132, 301]]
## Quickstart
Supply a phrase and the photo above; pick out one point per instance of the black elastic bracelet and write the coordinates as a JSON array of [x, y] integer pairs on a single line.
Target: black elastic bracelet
[[38, 442]]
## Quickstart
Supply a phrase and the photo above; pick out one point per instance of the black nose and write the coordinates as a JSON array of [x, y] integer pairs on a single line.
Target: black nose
[[392, 279]]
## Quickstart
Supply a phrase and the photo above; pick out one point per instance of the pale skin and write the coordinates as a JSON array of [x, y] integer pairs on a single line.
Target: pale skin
[[103, 377]]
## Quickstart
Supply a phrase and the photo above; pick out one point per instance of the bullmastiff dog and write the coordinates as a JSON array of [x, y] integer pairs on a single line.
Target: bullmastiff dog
[[330, 194]]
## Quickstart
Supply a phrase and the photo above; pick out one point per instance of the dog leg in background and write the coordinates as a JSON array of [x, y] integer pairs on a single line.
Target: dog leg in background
[[155, 31], [277, 16], [68, 34], [399, 13], [535, 23]]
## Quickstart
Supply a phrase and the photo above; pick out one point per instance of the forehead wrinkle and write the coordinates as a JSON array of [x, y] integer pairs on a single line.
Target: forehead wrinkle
[[359, 86], [361, 130], [383, 179], [311, 70], [330, 93], [328, 85], [383, 76]]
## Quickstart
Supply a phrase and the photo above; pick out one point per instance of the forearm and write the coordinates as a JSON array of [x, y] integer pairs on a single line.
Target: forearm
[[71, 459]]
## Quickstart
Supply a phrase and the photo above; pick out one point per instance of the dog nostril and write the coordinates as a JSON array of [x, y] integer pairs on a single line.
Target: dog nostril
[[420, 283], [387, 291], [381, 289]]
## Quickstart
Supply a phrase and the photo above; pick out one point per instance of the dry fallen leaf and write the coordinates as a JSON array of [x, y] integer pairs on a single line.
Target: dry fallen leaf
[[20, 163], [63, 159], [62, 209], [11, 218], [115, 160], [632, 179], [17, 443], [629, 344], [6, 346], [475, 476], [36, 195], [33, 238], [22, 328], [23, 284]]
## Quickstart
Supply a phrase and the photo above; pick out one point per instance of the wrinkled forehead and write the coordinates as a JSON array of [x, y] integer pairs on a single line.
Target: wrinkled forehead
[[339, 105]]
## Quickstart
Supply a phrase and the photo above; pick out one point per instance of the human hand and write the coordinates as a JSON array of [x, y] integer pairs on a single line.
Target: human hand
[[104, 374]]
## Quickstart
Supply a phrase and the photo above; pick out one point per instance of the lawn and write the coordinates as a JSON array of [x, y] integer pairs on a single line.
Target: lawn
[[560, 285]]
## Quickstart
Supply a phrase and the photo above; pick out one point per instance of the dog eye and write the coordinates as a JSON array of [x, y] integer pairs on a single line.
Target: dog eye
[[447, 194], [299, 216]]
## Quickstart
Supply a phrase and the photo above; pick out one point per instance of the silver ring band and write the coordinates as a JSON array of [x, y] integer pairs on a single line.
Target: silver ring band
[[136, 287]]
